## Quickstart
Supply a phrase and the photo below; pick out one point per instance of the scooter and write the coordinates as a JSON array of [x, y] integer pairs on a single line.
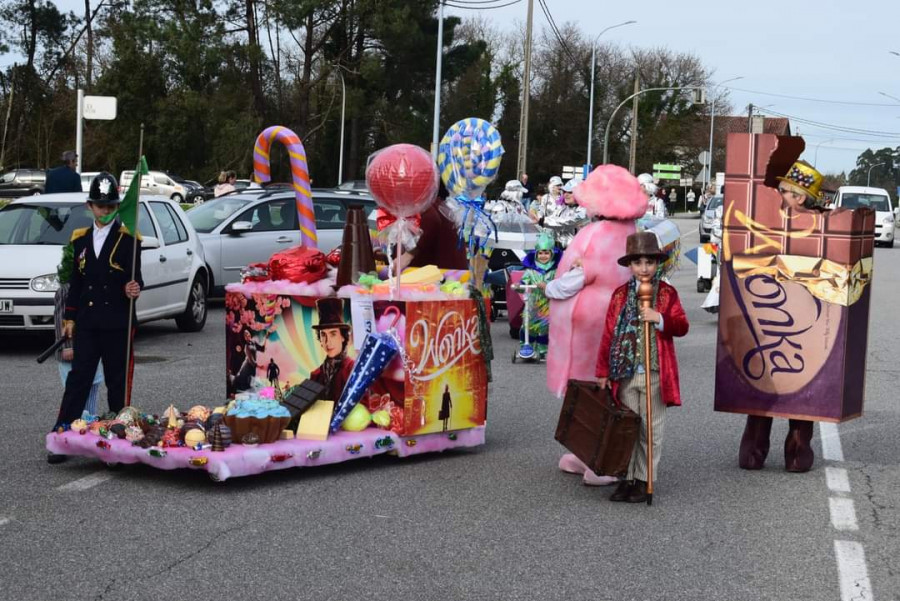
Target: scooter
[[526, 352]]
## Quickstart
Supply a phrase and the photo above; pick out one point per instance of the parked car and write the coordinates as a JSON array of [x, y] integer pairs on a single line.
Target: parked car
[[33, 232], [856, 197], [354, 185], [22, 182], [708, 217], [200, 193], [193, 192], [248, 227], [86, 178], [155, 182]]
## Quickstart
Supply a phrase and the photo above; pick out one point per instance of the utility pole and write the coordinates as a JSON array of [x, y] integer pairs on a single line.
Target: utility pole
[[750, 119], [632, 156], [437, 82], [526, 92]]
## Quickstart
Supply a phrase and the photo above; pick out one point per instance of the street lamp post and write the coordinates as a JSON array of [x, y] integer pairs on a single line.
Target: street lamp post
[[712, 121], [590, 139], [343, 121], [816, 159], [869, 175], [437, 80], [623, 103]]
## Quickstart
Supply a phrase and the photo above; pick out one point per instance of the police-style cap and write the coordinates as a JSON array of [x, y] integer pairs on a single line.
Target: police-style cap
[[104, 189]]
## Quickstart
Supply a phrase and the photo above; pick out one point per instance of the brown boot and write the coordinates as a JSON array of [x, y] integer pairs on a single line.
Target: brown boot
[[798, 452], [755, 443], [638, 492], [622, 491]]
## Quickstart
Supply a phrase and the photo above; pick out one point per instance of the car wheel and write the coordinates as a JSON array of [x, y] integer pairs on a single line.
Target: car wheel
[[890, 243], [194, 317], [178, 198]]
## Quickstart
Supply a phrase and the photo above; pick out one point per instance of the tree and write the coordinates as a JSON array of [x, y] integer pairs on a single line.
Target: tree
[[884, 165]]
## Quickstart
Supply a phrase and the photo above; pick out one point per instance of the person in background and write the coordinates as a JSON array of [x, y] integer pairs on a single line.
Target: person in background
[[226, 183], [673, 199], [691, 197], [528, 190], [568, 218], [549, 203], [64, 178], [438, 243]]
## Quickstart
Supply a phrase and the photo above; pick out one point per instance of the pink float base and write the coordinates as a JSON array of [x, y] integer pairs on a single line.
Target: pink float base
[[239, 460]]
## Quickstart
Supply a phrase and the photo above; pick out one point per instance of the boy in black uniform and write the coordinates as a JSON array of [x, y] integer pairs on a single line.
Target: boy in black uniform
[[97, 306]]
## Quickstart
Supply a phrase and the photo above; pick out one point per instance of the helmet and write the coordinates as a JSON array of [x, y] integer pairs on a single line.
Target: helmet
[[544, 242], [572, 184], [104, 189]]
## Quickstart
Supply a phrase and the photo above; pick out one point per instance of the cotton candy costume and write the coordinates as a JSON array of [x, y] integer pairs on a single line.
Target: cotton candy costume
[[539, 313], [581, 294]]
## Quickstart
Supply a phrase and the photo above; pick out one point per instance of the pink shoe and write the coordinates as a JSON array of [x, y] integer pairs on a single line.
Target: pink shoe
[[571, 464], [592, 479]]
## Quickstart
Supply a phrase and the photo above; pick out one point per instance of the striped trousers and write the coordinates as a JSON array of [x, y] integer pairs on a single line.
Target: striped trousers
[[632, 394]]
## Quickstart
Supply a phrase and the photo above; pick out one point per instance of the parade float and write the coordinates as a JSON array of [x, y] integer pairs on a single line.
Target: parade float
[[325, 361]]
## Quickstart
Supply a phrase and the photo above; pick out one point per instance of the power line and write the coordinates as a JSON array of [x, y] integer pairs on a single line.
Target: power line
[[455, 4], [808, 99], [556, 31], [841, 128]]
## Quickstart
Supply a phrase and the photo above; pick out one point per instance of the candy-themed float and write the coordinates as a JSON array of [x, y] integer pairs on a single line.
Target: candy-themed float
[[325, 362]]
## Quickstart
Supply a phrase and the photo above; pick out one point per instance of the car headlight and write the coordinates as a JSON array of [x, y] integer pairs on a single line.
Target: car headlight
[[45, 283], [888, 220]]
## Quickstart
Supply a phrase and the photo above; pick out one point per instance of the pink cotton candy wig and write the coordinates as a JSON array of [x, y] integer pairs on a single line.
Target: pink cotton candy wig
[[611, 192]]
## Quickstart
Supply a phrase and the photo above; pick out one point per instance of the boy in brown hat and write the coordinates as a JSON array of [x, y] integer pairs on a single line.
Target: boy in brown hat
[[620, 361]]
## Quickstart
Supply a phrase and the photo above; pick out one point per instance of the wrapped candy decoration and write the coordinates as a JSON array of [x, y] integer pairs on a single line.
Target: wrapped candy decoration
[[133, 434], [129, 416], [171, 438], [118, 429], [79, 425], [152, 437], [250, 439], [213, 419], [299, 265], [193, 437], [378, 349], [358, 419], [198, 413]]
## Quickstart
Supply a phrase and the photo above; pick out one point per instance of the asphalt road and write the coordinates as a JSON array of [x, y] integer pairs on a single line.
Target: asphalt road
[[495, 522]]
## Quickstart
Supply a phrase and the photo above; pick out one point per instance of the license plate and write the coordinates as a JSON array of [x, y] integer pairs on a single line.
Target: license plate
[[6, 305]]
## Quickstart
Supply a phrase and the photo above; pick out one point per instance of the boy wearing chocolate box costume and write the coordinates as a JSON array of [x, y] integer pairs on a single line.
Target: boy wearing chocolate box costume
[[794, 300]]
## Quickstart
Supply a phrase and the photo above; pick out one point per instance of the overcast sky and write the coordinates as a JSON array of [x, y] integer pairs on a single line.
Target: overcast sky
[[829, 52], [836, 51]]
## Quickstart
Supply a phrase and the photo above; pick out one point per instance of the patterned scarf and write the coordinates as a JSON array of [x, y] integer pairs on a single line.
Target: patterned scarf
[[627, 351]]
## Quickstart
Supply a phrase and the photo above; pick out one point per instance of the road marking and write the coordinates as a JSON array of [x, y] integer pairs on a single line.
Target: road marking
[[843, 513], [831, 441], [4, 521], [87, 482], [837, 479], [854, 576]]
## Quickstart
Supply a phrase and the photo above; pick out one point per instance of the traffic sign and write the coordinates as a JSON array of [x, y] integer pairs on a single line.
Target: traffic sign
[[664, 175], [568, 171], [99, 107], [666, 167], [703, 157], [686, 182]]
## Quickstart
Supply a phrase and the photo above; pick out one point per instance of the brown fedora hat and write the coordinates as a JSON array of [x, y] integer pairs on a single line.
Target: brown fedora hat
[[642, 244]]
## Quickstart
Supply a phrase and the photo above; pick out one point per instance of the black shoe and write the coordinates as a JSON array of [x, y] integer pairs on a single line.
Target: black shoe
[[622, 491], [638, 493], [53, 458]]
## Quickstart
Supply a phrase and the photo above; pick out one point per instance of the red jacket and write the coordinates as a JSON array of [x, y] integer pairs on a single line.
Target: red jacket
[[675, 323]]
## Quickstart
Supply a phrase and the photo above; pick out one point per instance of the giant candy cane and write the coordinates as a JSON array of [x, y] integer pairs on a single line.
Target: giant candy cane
[[299, 175]]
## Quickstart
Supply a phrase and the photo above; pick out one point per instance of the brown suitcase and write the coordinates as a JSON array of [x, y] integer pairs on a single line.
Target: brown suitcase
[[597, 430]]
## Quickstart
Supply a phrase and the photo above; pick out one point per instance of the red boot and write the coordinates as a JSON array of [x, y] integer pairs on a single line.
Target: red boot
[[755, 443]]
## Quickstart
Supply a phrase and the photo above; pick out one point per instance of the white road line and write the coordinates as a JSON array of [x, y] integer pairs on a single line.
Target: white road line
[[86, 482], [4, 521], [837, 479], [854, 576], [831, 442], [843, 514]]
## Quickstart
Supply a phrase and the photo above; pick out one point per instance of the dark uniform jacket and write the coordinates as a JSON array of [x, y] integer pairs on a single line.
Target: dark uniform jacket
[[62, 179], [96, 297]]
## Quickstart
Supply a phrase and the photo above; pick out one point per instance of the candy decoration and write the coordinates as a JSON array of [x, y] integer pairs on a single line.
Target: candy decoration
[[157, 452], [299, 176], [314, 454], [152, 437], [133, 434], [358, 419], [403, 179], [129, 416], [198, 413], [354, 449], [198, 461], [384, 443], [280, 457], [378, 349], [118, 429], [103, 445], [382, 418], [221, 437], [469, 157], [171, 438], [193, 437], [80, 426], [250, 439]]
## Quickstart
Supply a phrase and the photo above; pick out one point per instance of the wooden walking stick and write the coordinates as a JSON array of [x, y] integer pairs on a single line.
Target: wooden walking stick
[[645, 297]]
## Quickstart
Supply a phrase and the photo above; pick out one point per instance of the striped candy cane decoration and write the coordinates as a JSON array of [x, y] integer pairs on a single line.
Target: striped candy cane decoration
[[306, 216]]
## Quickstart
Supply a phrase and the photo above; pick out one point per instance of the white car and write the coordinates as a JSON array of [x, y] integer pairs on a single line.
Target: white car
[[250, 226], [34, 230], [155, 182], [878, 199], [86, 178]]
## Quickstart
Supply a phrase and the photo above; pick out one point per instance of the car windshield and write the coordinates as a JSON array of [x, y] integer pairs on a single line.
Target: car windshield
[[206, 217], [859, 200], [42, 223]]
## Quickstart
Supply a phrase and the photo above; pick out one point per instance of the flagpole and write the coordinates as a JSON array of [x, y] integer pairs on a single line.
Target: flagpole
[[129, 368]]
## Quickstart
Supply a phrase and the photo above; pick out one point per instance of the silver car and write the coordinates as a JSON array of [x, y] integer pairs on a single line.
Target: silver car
[[708, 218], [249, 227]]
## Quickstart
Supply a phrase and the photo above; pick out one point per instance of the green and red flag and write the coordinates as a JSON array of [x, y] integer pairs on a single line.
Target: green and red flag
[[128, 208]]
